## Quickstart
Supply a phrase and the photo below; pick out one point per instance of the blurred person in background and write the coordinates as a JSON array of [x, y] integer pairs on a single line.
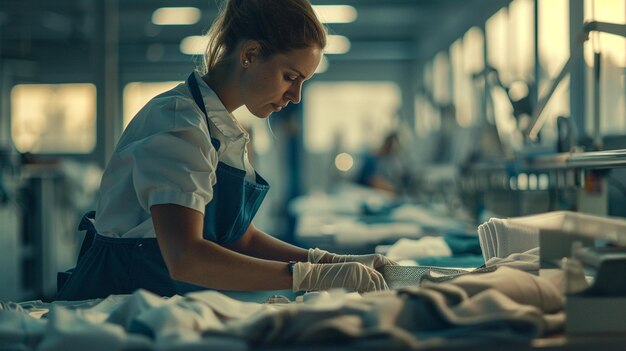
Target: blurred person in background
[[384, 168]]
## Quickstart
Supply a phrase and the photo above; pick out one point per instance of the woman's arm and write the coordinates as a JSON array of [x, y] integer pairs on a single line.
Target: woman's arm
[[192, 259], [259, 244]]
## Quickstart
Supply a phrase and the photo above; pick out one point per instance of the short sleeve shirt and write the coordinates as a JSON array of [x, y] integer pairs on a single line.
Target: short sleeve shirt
[[165, 156]]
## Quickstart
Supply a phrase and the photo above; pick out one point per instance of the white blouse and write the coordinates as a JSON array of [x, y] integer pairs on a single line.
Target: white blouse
[[165, 156]]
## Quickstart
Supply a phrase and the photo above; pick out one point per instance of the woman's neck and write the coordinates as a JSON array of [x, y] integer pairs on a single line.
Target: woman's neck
[[223, 80]]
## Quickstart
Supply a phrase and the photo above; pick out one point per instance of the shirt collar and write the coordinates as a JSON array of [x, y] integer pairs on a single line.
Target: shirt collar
[[224, 121]]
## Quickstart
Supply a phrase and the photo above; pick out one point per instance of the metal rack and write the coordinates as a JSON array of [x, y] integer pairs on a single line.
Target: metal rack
[[563, 161], [531, 183]]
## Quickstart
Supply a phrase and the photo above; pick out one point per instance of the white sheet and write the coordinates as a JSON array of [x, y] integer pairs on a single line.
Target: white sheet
[[410, 249]]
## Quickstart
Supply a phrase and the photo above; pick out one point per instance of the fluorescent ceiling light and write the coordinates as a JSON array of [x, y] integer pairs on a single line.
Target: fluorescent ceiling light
[[168, 16], [335, 13], [194, 45], [337, 44]]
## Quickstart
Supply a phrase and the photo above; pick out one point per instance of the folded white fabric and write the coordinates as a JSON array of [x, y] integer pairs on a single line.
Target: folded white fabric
[[514, 238], [500, 238], [428, 246], [484, 238]]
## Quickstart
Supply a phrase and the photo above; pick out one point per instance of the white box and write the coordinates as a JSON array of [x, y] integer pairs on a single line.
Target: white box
[[559, 229]]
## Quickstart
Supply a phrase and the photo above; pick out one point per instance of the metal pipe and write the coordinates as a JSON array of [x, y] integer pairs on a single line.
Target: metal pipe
[[597, 133]]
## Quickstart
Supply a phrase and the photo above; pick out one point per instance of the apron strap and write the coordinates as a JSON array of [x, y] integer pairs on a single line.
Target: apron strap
[[197, 97], [90, 232], [195, 93]]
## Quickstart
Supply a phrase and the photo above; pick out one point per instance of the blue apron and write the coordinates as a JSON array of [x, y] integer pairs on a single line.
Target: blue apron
[[120, 266]]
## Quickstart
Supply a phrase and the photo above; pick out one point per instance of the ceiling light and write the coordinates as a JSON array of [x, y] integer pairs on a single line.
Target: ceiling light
[[344, 162], [335, 13], [194, 45], [168, 16], [337, 44]]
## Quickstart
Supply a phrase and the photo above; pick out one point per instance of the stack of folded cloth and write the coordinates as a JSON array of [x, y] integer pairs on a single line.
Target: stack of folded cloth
[[500, 238]]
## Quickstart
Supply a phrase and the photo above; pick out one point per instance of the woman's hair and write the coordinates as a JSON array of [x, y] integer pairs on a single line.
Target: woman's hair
[[278, 25]]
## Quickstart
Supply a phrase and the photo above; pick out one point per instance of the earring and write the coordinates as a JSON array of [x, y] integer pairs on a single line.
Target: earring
[[245, 63]]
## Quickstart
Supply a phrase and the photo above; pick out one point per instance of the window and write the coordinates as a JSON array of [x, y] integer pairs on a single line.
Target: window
[[554, 50], [497, 44], [553, 38], [510, 41], [137, 94], [463, 97], [54, 118], [521, 34], [442, 78], [473, 51], [352, 116], [612, 67]]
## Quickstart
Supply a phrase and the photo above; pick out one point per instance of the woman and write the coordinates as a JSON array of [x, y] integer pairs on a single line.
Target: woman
[[178, 195]]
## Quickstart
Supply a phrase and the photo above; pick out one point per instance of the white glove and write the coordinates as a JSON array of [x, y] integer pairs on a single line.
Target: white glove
[[351, 276], [375, 261]]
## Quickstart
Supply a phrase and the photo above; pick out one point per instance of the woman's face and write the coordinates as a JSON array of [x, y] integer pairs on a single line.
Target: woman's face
[[269, 85]]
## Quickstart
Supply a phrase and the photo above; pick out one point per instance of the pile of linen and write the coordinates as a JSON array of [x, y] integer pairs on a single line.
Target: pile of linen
[[504, 304]]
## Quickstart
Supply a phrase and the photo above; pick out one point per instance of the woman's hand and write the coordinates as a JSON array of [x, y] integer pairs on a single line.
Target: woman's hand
[[352, 276], [375, 261]]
